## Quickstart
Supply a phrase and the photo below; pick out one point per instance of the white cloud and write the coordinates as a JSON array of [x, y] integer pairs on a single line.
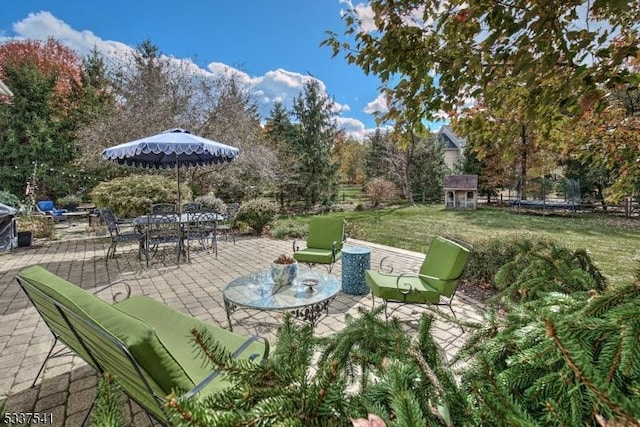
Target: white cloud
[[278, 85], [378, 105], [365, 15], [43, 25]]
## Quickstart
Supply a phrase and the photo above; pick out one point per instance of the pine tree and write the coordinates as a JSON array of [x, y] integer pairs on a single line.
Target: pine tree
[[281, 134], [376, 163], [315, 135]]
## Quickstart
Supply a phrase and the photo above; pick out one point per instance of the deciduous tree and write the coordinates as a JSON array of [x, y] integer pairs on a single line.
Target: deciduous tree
[[39, 123]]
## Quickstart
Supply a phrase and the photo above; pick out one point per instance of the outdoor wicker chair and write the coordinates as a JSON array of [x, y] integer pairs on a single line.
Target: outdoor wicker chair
[[191, 207]]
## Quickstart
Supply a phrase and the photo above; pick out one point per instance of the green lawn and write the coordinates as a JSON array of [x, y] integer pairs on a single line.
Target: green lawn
[[351, 193], [613, 242]]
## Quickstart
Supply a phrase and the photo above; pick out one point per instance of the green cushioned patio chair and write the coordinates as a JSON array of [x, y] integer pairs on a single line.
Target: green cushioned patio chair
[[145, 345], [435, 283], [324, 242]]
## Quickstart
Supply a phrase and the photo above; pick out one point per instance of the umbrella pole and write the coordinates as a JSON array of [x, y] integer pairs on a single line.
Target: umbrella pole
[[178, 174]]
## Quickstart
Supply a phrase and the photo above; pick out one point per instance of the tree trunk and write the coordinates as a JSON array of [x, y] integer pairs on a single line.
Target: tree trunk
[[523, 162], [601, 197], [408, 193]]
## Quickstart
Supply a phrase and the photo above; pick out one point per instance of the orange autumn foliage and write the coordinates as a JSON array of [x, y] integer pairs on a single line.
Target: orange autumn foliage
[[51, 57]]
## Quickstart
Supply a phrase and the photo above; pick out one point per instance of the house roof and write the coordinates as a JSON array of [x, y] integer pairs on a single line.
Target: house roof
[[461, 182], [449, 139], [4, 90]]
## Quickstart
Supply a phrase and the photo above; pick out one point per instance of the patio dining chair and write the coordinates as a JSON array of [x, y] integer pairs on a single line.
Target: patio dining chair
[[435, 283], [227, 225], [191, 207], [163, 208], [324, 242], [201, 226], [162, 229], [118, 236]]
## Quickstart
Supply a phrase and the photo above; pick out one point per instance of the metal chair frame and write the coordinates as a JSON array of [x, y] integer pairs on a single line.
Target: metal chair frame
[[117, 236], [163, 208], [227, 225], [162, 229], [443, 301], [201, 225], [86, 332]]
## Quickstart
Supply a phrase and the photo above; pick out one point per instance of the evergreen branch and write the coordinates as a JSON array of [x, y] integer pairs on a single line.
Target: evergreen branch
[[417, 356], [584, 378], [107, 410]]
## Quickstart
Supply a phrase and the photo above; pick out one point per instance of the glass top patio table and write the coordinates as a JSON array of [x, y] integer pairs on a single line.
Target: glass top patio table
[[182, 218], [255, 291]]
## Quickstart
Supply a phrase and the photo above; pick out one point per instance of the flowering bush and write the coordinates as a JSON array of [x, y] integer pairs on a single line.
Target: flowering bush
[[257, 214]]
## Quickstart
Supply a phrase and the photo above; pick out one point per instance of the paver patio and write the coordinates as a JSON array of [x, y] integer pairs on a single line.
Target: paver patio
[[67, 385]]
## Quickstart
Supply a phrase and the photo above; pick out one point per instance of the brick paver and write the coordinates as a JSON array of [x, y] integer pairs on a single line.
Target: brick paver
[[67, 385]]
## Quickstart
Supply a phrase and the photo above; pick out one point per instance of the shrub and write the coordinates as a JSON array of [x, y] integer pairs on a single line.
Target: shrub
[[9, 199], [69, 200], [133, 195], [380, 190], [258, 214], [542, 267], [288, 230], [210, 201], [488, 256], [41, 226]]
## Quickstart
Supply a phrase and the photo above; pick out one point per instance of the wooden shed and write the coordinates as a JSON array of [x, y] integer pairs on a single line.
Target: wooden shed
[[461, 191]]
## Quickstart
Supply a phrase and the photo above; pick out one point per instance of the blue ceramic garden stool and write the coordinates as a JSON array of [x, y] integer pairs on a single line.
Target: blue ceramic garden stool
[[355, 261]]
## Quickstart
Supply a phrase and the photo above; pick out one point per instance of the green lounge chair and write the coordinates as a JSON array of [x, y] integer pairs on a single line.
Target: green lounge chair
[[144, 344], [324, 242], [438, 277]]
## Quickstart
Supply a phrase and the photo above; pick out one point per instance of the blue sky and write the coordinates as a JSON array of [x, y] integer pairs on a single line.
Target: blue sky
[[274, 44]]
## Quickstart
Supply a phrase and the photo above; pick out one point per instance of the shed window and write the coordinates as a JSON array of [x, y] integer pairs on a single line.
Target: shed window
[[469, 195]]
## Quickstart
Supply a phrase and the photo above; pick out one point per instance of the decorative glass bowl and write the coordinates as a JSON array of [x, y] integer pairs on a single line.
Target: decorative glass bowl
[[310, 284]]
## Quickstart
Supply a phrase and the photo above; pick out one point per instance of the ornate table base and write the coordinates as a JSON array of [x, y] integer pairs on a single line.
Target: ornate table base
[[307, 303], [311, 314]]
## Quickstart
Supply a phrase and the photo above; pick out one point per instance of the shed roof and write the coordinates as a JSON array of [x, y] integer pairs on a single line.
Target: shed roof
[[461, 182]]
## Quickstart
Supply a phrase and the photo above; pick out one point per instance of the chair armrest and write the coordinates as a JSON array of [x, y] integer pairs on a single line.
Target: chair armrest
[[116, 294], [125, 221], [334, 250], [214, 374], [411, 274]]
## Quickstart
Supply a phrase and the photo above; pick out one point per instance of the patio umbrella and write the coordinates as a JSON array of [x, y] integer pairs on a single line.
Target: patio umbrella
[[171, 148]]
